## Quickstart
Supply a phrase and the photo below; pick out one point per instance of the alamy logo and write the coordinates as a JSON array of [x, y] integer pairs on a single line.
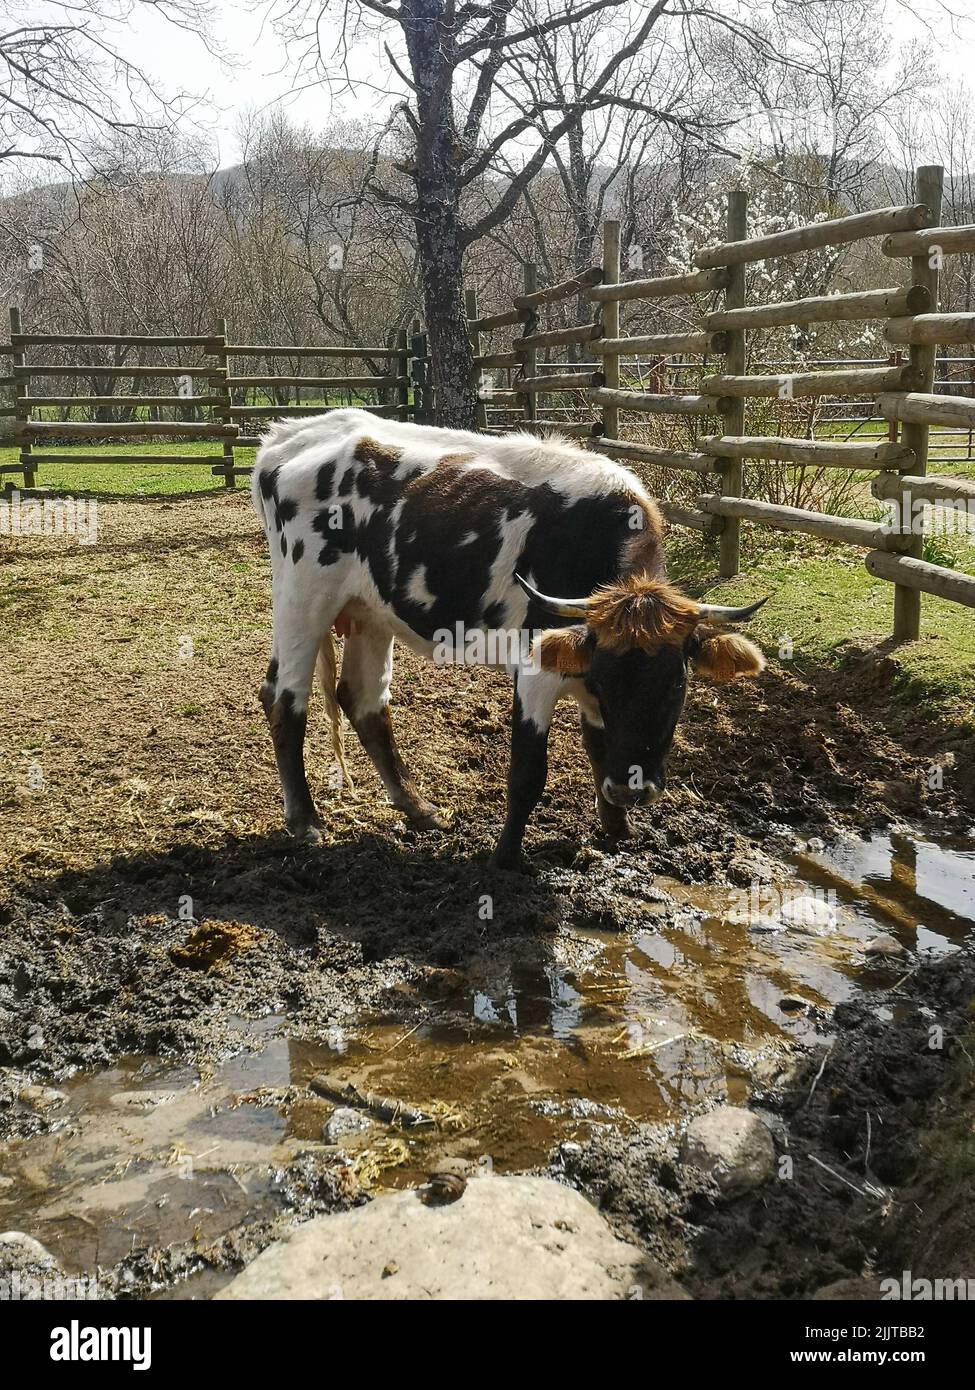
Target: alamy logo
[[77, 1343], [913, 1290], [916, 515], [49, 516], [464, 646]]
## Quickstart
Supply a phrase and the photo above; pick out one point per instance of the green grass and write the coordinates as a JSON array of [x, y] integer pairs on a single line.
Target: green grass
[[822, 598], [820, 595], [132, 479]]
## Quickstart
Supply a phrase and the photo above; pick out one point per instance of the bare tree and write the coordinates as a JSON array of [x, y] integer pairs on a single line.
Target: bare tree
[[450, 58], [67, 83]]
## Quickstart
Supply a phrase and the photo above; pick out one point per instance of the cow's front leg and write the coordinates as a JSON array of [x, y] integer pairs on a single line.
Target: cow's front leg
[[363, 693], [535, 695], [612, 818]]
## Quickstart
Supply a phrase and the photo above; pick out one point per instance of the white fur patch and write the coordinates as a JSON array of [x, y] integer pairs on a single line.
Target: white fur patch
[[418, 590], [538, 694]]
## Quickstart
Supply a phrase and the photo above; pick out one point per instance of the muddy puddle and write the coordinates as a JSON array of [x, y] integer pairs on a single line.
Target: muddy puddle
[[504, 1060]]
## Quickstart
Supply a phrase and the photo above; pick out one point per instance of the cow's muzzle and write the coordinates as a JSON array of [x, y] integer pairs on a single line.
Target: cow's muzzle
[[622, 794]]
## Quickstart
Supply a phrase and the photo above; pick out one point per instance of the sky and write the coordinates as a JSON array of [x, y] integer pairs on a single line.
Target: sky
[[261, 78]]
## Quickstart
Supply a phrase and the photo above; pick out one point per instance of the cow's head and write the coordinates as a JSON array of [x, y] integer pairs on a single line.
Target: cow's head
[[632, 643]]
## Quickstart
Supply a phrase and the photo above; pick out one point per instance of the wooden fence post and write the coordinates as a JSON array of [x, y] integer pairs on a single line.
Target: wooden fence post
[[734, 416], [470, 308], [527, 359], [610, 318], [22, 391], [420, 375], [222, 411], [907, 602], [402, 361]]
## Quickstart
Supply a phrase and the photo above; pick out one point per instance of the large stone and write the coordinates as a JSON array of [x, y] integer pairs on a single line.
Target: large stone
[[504, 1238], [850, 1291], [731, 1144], [20, 1252], [808, 913]]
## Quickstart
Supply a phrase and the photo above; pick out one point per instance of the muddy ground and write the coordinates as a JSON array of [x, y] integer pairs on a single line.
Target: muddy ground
[[878, 1135], [152, 906]]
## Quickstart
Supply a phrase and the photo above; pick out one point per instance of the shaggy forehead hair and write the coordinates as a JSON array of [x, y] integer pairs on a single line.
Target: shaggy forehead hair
[[640, 611]]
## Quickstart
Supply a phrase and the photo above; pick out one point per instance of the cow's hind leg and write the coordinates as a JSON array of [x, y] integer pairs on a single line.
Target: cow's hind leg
[[284, 695], [363, 693]]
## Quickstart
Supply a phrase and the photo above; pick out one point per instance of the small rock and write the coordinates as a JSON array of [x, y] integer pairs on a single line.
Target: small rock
[[140, 1100], [790, 1005], [760, 922], [774, 1072], [732, 1145], [885, 946], [809, 913], [849, 1291], [445, 1186], [19, 1252], [898, 795], [343, 1122], [41, 1098]]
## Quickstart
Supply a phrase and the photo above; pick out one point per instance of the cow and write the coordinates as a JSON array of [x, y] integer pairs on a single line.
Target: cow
[[442, 538]]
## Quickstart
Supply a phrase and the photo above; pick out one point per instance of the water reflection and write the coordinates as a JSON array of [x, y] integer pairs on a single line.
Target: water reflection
[[534, 1044]]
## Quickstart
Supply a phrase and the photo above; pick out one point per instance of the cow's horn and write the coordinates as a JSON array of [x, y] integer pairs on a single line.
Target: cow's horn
[[717, 613], [565, 607]]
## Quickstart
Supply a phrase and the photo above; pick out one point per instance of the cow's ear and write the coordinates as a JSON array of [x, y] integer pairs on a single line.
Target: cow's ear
[[565, 650], [723, 656]]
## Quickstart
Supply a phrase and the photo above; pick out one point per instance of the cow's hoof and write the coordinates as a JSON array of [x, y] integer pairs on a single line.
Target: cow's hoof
[[615, 824], [308, 833], [511, 860], [427, 817]]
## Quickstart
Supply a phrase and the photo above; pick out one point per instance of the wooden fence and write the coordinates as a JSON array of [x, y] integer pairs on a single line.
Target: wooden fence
[[591, 399], [225, 413], [902, 391]]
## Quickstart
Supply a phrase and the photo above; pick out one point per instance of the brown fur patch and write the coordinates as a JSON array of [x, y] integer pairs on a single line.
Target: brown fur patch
[[565, 650], [725, 656], [369, 451], [645, 552], [640, 612]]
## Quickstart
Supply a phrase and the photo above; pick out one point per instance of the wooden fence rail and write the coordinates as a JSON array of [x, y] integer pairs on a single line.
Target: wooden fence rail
[[901, 394], [218, 414]]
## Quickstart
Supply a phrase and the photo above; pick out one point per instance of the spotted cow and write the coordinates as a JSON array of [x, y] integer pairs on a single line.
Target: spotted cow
[[446, 540]]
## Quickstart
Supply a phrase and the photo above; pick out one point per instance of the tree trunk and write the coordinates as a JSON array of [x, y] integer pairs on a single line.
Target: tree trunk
[[429, 42], [441, 260]]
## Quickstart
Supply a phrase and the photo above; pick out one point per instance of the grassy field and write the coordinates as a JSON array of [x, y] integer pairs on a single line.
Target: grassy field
[[821, 597], [822, 601], [132, 479]]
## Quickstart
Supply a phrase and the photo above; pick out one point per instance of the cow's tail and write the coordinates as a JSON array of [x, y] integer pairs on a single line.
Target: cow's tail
[[328, 652], [257, 497]]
